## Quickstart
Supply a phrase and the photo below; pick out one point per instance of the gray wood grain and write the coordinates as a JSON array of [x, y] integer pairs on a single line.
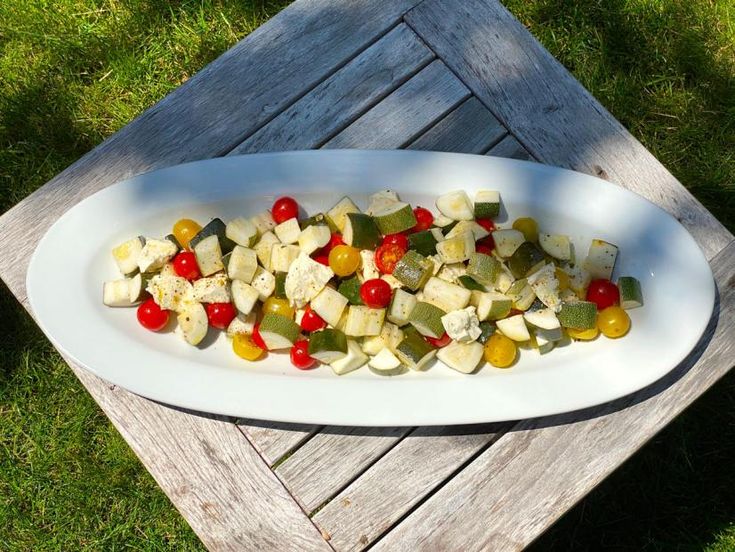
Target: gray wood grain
[[559, 121], [470, 128], [540, 469], [344, 96], [406, 113], [214, 477], [511, 148], [331, 459], [212, 112], [393, 485], [273, 440]]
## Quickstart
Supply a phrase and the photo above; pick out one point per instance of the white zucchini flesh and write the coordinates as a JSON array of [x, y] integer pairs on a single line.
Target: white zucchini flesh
[[514, 328], [244, 296], [212, 289], [288, 231], [314, 237], [368, 269], [463, 357], [263, 248], [390, 336], [155, 254], [127, 253], [242, 231], [380, 200], [116, 293], [384, 361], [354, 359], [600, 259], [448, 297], [193, 323], [546, 286], [282, 255], [264, 282], [209, 255], [242, 264], [507, 241], [401, 306], [136, 288], [456, 205], [556, 245], [543, 318], [364, 321], [338, 213], [329, 304], [263, 222], [242, 324]]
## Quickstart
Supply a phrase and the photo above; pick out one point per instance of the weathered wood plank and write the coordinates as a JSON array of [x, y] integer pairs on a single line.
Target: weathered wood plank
[[343, 97], [511, 148], [393, 485], [214, 477], [332, 458], [470, 120], [559, 121], [273, 440], [209, 114], [535, 473], [406, 113]]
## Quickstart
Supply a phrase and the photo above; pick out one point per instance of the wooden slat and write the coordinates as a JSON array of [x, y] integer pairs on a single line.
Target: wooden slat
[[273, 440], [469, 119], [511, 148], [559, 121], [406, 113], [332, 458], [214, 477], [208, 115], [343, 97], [536, 472], [392, 486]]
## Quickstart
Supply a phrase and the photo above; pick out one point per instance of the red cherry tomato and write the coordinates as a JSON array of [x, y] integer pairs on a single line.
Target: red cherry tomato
[[311, 321], [603, 293], [396, 239], [185, 265], [480, 248], [285, 208], [300, 355], [487, 224], [442, 341], [376, 293], [151, 316], [220, 315], [487, 241], [323, 259], [386, 257], [424, 219], [257, 338]]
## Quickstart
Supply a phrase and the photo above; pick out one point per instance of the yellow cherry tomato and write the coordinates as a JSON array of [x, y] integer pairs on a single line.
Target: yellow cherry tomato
[[613, 322], [500, 351], [583, 335], [344, 260], [184, 230], [529, 228], [245, 347], [563, 278], [278, 306]]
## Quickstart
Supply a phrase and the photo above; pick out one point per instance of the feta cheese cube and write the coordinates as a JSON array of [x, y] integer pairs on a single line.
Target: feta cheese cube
[[155, 254], [305, 279], [462, 325], [214, 289]]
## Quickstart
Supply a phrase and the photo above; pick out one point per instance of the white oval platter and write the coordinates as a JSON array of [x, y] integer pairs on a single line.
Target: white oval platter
[[73, 259]]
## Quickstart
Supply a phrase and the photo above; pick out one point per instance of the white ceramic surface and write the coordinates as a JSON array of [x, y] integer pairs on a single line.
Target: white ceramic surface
[[73, 259]]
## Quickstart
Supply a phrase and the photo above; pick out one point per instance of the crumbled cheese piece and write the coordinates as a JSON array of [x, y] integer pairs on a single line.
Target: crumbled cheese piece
[[155, 254], [305, 279], [170, 292], [215, 289], [451, 272], [462, 325], [264, 283]]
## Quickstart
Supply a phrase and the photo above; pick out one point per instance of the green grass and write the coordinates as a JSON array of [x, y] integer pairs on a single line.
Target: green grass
[[75, 71]]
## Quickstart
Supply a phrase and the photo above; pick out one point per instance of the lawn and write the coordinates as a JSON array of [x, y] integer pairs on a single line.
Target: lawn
[[75, 71]]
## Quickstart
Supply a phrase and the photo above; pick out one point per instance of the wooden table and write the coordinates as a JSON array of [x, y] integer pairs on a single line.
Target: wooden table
[[432, 74]]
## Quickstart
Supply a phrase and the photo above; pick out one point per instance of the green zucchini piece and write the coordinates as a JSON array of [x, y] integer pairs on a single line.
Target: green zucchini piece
[[395, 218], [280, 291], [470, 283], [630, 292], [487, 330], [427, 319], [361, 231], [580, 315], [328, 345], [337, 215], [525, 259], [423, 242], [214, 227], [414, 351], [278, 331], [314, 220], [483, 268], [413, 270], [350, 288], [487, 204]]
